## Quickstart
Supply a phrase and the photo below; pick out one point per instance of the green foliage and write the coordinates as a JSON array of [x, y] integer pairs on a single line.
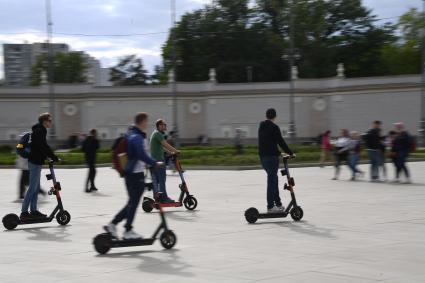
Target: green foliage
[[232, 36], [203, 156], [67, 68], [5, 149], [129, 71], [411, 25]]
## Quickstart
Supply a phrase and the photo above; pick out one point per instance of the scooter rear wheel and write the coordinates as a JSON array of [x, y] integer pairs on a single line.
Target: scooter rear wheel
[[63, 217], [251, 215], [10, 221], [148, 204], [297, 213], [190, 203], [168, 239], [102, 243]]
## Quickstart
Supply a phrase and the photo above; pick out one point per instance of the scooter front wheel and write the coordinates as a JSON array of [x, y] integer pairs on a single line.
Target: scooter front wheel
[[168, 239], [102, 243], [251, 215], [10, 221], [297, 213], [148, 204], [190, 203], [63, 217]]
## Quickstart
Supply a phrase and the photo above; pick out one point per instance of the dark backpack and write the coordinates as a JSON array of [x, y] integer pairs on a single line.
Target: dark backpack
[[23, 148], [412, 144], [119, 148]]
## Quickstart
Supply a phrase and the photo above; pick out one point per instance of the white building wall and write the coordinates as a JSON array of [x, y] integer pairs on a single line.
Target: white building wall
[[216, 111]]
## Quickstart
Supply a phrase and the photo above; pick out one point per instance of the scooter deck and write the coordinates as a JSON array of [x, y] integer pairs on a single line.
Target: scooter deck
[[117, 243], [170, 204], [35, 221], [272, 215]]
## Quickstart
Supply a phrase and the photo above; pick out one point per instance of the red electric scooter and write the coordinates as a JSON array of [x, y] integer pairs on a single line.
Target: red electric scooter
[[185, 198]]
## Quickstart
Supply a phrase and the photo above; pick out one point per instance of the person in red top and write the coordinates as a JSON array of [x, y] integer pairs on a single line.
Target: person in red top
[[326, 147]]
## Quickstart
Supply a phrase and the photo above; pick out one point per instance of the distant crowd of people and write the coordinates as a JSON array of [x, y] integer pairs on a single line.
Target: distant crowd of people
[[346, 149]]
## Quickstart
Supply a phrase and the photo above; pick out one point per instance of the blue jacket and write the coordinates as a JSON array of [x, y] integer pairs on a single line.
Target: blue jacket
[[136, 149]]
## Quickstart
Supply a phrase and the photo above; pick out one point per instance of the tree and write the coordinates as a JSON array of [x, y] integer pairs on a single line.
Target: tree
[[411, 25], [404, 55], [129, 71], [159, 76], [67, 68], [230, 36]]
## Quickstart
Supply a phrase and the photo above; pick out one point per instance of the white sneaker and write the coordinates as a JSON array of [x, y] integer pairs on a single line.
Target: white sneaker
[[112, 229], [274, 209], [281, 208], [131, 235]]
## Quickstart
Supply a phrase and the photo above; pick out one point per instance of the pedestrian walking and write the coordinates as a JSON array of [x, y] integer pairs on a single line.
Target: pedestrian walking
[[389, 142], [342, 151], [24, 177], [374, 149], [90, 147], [326, 148], [354, 157], [402, 145]]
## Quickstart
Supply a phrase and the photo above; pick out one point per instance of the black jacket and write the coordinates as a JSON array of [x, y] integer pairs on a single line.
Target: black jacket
[[402, 143], [269, 137], [40, 150], [373, 139], [90, 147]]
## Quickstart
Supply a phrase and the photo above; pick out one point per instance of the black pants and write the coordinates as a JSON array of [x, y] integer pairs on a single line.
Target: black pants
[[340, 158], [24, 181], [91, 176], [400, 163], [135, 184]]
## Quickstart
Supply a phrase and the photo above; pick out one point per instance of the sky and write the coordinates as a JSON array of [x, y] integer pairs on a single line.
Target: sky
[[25, 21]]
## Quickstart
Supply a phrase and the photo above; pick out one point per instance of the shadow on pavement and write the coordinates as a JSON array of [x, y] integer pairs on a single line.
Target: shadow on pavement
[[389, 183], [98, 194], [180, 215], [304, 227], [39, 234], [170, 263]]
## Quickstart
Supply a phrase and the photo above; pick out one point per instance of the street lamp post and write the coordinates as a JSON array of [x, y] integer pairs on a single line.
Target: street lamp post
[[174, 66], [292, 131], [50, 71], [422, 121]]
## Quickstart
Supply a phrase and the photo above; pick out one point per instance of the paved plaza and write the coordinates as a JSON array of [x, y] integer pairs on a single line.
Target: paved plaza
[[351, 232]]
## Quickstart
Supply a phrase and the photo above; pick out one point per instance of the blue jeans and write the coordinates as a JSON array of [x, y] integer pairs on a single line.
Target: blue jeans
[[271, 166], [375, 162], [31, 196], [353, 161], [135, 184], [159, 177]]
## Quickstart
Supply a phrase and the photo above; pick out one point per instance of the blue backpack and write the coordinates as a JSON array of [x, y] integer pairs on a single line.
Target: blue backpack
[[23, 147]]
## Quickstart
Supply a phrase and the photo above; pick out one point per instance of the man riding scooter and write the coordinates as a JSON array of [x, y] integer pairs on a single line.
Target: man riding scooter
[[158, 147], [269, 138]]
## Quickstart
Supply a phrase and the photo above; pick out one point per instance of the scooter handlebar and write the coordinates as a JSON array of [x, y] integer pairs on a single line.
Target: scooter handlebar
[[287, 156], [51, 161]]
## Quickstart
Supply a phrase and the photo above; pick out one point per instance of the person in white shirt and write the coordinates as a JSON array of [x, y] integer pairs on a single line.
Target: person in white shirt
[[341, 151]]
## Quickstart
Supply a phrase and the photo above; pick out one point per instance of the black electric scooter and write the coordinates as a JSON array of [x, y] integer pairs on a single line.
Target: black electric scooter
[[296, 212], [185, 198], [63, 217], [105, 241]]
